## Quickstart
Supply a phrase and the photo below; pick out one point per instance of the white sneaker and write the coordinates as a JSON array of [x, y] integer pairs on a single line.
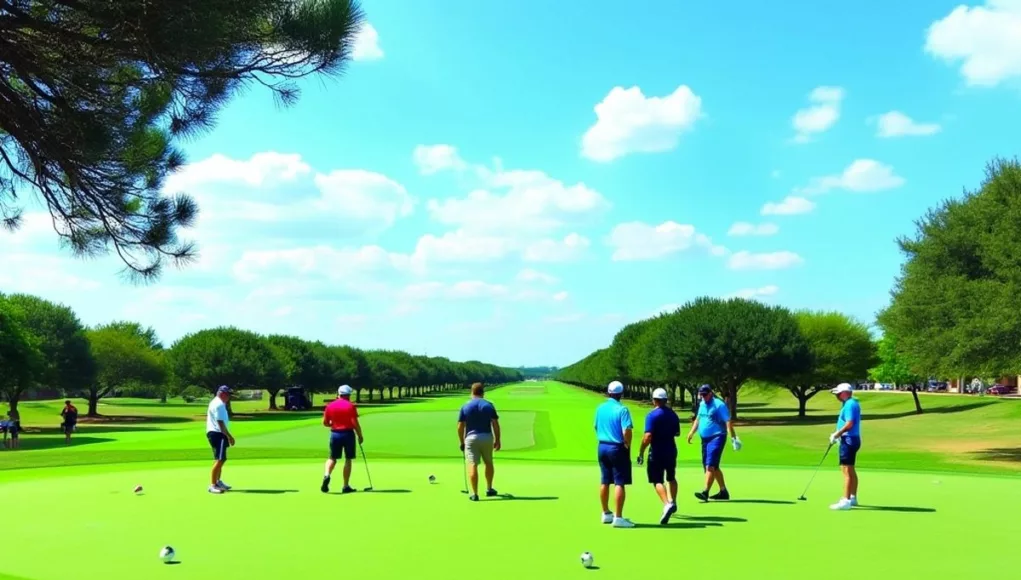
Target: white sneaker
[[220, 484], [668, 510], [854, 501], [607, 518], [623, 523], [843, 504], [214, 489]]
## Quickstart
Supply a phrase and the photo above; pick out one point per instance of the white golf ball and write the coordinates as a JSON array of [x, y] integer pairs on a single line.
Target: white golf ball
[[587, 560], [167, 554], [432, 478]]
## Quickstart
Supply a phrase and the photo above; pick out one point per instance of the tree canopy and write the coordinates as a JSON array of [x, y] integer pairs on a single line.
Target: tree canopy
[[123, 357], [94, 94], [20, 358]]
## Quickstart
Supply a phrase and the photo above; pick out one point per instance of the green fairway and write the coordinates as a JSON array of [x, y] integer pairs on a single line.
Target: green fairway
[[916, 490]]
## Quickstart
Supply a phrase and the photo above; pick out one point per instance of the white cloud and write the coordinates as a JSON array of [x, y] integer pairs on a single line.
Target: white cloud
[[753, 293], [861, 176], [822, 114], [550, 250], [260, 170], [790, 205], [984, 40], [34, 273], [352, 264], [561, 296], [629, 122], [366, 44], [530, 275], [467, 289], [432, 159], [748, 229], [765, 261], [362, 196], [633, 241], [897, 124], [460, 246]]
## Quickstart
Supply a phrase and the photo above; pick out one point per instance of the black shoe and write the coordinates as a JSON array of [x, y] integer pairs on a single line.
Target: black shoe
[[702, 495], [723, 495], [491, 493], [325, 488], [473, 497], [347, 489]]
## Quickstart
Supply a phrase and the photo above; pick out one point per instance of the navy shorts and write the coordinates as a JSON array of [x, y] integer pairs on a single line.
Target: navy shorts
[[615, 464], [661, 468], [849, 446], [15, 428], [342, 443], [218, 441], [712, 450]]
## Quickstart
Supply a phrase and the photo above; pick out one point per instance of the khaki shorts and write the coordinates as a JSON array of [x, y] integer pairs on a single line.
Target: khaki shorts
[[478, 447]]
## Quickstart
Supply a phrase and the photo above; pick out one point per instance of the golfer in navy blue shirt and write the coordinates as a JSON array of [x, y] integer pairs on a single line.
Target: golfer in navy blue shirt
[[613, 431], [848, 433], [662, 426], [478, 430], [712, 423]]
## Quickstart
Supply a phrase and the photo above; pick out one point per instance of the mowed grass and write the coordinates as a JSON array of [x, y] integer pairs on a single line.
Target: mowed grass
[[922, 478]]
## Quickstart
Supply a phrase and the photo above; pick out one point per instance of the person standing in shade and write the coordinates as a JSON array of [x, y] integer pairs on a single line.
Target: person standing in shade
[[712, 424], [662, 426], [341, 417], [70, 416], [217, 420], [613, 430], [848, 433], [14, 427], [478, 430]]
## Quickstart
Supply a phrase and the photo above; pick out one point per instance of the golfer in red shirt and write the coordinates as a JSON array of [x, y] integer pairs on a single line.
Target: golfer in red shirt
[[341, 417]]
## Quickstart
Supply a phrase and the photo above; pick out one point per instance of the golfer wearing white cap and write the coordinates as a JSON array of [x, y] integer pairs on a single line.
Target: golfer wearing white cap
[[341, 418], [662, 426], [848, 433], [613, 430]]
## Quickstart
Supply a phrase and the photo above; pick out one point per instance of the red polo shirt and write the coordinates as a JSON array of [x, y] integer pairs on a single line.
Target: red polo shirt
[[341, 414]]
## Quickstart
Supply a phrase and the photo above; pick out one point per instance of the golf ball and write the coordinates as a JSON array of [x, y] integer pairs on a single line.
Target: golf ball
[[432, 478], [167, 554], [138, 489], [587, 560]]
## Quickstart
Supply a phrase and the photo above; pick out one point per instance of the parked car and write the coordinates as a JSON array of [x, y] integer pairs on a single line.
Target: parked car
[[1001, 390]]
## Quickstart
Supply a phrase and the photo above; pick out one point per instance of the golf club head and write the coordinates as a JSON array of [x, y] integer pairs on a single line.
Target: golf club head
[[367, 489], [802, 498]]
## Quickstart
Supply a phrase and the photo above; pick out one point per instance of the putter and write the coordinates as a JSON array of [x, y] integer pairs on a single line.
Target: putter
[[464, 472], [803, 498], [366, 462]]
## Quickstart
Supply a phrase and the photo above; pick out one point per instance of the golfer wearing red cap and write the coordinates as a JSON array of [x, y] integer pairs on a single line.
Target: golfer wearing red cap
[[341, 417]]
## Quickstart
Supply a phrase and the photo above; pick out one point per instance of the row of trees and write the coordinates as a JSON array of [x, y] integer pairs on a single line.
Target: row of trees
[[728, 343], [45, 348]]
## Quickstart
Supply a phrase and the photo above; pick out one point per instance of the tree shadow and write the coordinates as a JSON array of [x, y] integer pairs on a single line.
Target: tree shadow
[[679, 526], [130, 419], [262, 416], [511, 497], [999, 454], [88, 429], [759, 501], [900, 509], [264, 491], [703, 519], [27, 443], [785, 421]]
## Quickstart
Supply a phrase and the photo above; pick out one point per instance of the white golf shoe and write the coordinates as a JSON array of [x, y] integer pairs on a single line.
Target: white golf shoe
[[623, 523], [854, 501], [842, 505], [607, 518]]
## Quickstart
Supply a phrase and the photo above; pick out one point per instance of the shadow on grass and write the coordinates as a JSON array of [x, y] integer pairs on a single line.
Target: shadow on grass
[[130, 419], [678, 526], [511, 497], [264, 491], [894, 508], [93, 429], [759, 501], [704, 519], [389, 491], [277, 416], [785, 421], [999, 454], [34, 443]]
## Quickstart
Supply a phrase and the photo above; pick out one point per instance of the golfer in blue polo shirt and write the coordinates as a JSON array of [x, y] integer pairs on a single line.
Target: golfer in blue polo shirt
[[613, 430], [662, 426], [848, 433], [712, 423]]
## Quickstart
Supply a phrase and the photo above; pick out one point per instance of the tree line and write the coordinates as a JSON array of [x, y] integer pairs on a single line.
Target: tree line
[[45, 349]]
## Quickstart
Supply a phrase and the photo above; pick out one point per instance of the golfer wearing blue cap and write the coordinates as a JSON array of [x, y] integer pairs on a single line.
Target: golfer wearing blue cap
[[712, 423], [219, 437], [613, 430]]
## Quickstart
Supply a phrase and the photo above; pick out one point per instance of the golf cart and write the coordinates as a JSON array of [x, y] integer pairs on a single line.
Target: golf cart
[[296, 399]]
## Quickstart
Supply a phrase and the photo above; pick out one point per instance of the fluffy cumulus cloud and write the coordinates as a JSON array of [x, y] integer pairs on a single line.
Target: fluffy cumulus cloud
[[366, 44], [432, 159], [790, 205], [897, 124], [629, 122], [638, 241], [755, 293], [749, 229], [764, 261], [985, 41], [570, 248], [530, 275], [821, 114], [861, 176]]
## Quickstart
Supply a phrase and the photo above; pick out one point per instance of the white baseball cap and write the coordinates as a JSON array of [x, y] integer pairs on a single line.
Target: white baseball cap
[[842, 388], [659, 394], [615, 388], [344, 390]]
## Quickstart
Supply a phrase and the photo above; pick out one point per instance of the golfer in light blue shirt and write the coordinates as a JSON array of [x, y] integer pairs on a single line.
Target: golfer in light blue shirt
[[613, 428], [848, 433], [712, 424]]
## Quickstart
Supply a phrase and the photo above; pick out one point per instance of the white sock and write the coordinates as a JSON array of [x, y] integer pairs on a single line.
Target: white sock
[[852, 497], [327, 474]]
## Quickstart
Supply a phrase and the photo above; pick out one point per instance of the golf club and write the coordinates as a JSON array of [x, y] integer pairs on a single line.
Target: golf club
[[464, 472], [803, 498], [366, 462]]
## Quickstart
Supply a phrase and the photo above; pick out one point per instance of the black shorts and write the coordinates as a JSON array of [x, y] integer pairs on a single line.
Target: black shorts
[[661, 470], [15, 428], [849, 446], [68, 428], [342, 443], [218, 441]]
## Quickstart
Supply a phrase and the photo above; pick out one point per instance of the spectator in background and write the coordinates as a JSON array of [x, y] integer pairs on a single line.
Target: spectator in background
[[14, 427], [70, 415]]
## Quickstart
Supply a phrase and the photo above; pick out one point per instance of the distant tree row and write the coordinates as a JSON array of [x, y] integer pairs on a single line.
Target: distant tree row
[[727, 343], [44, 347]]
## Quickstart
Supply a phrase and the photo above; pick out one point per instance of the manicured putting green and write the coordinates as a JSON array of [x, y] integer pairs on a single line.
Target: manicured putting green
[[277, 524]]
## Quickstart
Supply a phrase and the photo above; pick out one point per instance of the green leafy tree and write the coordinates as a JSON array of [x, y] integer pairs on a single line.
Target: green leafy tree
[[20, 358], [894, 368], [145, 333], [305, 364], [96, 92], [841, 349], [67, 362], [123, 357]]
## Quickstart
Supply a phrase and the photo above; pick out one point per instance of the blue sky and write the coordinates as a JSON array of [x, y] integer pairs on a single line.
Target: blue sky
[[514, 182]]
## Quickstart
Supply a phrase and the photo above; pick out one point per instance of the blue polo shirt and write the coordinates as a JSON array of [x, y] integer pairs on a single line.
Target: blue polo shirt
[[850, 411], [712, 418], [612, 418], [665, 425], [477, 416]]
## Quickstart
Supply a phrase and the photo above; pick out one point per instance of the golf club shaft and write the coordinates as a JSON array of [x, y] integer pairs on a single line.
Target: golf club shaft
[[366, 462], [464, 471], [811, 479]]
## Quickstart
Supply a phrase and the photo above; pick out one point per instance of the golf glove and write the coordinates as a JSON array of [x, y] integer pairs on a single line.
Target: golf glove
[[834, 438], [640, 460], [737, 444]]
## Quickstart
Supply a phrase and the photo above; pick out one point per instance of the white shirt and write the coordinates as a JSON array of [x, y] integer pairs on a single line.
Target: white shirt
[[217, 412]]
